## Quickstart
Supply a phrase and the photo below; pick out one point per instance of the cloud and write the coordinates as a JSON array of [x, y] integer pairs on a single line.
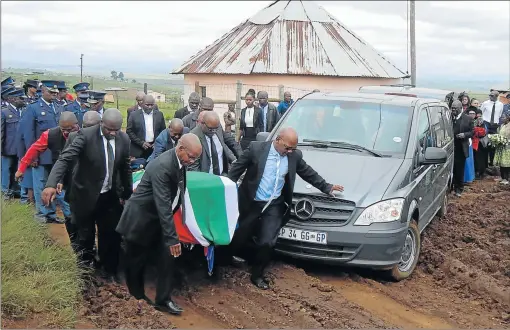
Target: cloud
[[452, 37]]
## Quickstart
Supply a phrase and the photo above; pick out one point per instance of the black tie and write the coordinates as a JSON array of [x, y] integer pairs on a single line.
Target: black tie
[[214, 158], [493, 113], [111, 159], [182, 188]]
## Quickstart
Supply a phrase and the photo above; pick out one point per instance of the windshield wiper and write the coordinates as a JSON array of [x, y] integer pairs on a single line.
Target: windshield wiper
[[340, 145]]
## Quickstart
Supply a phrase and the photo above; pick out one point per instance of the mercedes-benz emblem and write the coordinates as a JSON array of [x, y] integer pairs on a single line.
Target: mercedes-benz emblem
[[304, 209]]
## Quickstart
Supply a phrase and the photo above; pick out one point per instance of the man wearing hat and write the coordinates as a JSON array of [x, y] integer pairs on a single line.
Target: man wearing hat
[[31, 87], [79, 106], [62, 92], [96, 101], [37, 118], [11, 115], [8, 82], [193, 102]]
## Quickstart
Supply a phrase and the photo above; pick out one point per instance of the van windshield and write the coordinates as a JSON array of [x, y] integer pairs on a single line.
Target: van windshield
[[381, 128]]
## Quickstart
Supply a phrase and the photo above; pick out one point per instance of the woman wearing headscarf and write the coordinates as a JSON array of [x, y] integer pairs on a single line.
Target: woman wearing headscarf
[[502, 158], [469, 169]]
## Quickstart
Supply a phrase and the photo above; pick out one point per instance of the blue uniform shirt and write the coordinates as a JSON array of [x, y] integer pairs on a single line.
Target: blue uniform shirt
[[10, 123], [75, 108], [271, 174]]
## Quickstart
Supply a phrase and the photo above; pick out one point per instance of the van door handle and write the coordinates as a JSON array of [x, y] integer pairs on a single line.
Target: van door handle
[[435, 167]]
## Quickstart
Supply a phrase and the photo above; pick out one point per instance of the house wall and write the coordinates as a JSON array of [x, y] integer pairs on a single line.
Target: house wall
[[224, 87]]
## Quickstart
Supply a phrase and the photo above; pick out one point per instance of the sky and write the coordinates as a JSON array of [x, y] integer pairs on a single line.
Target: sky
[[463, 39]]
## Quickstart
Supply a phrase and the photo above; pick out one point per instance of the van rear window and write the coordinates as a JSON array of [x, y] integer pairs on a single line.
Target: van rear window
[[382, 128]]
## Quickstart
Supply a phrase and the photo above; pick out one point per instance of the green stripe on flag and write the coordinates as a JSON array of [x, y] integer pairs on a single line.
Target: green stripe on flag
[[207, 196]]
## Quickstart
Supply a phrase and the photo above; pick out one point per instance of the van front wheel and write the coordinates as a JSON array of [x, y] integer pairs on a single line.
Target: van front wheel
[[410, 254]]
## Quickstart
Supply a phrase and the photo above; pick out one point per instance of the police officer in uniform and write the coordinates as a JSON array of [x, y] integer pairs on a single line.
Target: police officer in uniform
[[31, 87], [62, 92], [6, 84], [11, 115], [79, 106], [96, 101], [37, 118]]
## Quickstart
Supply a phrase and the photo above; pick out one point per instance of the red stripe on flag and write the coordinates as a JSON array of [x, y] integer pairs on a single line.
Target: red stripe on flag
[[185, 235]]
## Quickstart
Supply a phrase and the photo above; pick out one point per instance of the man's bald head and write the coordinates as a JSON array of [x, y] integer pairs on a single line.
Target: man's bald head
[[262, 96], [193, 101], [176, 123], [148, 98], [68, 117], [111, 123], [139, 96], [188, 149], [210, 123], [176, 128], [91, 118], [206, 104], [456, 107], [286, 141], [148, 103], [67, 123]]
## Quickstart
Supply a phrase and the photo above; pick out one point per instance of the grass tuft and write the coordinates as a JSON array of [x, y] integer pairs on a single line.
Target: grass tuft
[[38, 276]]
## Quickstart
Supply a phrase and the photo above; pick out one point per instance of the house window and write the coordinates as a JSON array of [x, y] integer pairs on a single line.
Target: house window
[[203, 91]]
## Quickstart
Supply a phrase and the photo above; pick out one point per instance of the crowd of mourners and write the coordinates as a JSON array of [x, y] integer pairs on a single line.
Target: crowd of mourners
[[69, 151]]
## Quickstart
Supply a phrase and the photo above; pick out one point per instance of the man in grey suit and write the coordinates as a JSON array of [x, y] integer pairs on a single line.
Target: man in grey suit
[[270, 114], [191, 121], [216, 157], [147, 223]]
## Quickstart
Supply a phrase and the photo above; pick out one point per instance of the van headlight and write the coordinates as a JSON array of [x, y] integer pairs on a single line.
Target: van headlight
[[385, 211]]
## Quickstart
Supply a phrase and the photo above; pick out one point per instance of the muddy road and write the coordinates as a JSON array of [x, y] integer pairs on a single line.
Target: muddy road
[[462, 280]]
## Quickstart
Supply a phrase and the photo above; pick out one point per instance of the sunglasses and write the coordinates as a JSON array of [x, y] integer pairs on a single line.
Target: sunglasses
[[286, 147]]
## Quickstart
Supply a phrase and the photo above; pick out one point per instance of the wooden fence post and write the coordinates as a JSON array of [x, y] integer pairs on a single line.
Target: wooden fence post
[[281, 92], [145, 88], [239, 93], [197, 87]]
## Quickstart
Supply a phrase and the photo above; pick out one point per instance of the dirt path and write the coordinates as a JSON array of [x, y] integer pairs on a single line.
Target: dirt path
[[462, 280]]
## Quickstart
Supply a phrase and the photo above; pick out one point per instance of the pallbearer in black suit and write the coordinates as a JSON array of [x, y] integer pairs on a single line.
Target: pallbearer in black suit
[[147, 223], [144, 126], [102, 170], [463, 128], [265, 194]]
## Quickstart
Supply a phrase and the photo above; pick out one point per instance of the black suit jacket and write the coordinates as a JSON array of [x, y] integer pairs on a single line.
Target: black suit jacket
[[86, 151], [148, 214], [258, 122], [181, 113], [463, 125], [253, 160], [136, 130], [203, 163]]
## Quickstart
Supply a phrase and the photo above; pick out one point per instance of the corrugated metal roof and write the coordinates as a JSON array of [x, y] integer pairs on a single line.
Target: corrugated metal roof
[[292, 37]]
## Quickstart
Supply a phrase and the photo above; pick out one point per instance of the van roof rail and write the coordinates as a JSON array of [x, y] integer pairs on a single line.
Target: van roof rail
[[400, 85]]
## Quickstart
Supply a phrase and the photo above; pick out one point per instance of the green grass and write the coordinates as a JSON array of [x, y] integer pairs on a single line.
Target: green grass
[[39, 277]]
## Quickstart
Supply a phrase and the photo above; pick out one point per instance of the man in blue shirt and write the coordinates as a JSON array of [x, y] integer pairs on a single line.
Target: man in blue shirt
[[265, 194], [285, 104]]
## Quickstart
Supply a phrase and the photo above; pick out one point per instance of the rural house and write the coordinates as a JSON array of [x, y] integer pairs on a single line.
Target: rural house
[[293, 43]]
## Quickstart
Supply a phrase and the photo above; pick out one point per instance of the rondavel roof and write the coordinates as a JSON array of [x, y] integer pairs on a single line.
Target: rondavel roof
[[292, 37]]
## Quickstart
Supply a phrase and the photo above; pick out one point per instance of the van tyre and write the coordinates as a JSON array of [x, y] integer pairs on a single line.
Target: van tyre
[[444, 206], [410, 254]]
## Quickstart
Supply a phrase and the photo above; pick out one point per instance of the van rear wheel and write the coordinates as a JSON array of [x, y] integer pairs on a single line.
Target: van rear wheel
[[410, 254]]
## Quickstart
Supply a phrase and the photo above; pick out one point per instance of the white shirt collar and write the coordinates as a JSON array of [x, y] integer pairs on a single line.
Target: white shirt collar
[[178, 160], [148, 114], [48, 104], [189, 109]]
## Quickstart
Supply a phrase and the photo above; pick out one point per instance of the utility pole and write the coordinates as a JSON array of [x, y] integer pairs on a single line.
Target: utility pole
[[81, 68], [412, 32]]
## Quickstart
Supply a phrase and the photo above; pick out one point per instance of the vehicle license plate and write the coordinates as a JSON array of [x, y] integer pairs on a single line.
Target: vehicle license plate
[[303, 235]]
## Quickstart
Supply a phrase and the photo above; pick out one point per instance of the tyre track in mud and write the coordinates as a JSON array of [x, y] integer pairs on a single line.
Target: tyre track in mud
[[442, 293]]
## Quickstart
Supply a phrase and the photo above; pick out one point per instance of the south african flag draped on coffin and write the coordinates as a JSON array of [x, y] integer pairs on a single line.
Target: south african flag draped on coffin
[[211, 210]]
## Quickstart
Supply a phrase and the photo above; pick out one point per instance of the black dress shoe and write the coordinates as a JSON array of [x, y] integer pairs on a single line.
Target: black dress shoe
[[260, 283], [54, 220], [169, 307]]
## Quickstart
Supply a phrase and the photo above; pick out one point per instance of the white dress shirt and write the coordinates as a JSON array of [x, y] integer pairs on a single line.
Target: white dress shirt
[[149, 126], [248, 117], [176, 199], [112, 143], [486, 108], [219, 150], [100, 112]]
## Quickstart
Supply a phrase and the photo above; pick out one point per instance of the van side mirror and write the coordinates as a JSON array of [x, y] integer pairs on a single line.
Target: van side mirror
[[262, 136], [433, 156]]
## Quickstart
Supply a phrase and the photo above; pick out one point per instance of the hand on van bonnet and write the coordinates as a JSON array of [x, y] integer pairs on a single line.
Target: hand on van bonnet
[[336, 187]]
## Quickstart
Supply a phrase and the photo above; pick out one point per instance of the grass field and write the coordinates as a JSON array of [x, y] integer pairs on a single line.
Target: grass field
[[40, 279]]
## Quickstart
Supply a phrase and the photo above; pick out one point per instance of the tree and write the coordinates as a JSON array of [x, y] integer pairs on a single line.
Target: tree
[[114, 74], [121, 76], [133, 81]]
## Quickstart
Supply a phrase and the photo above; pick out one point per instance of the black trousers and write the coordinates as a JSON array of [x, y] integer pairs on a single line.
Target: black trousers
[[137, 257], [505, 173], [261, 229], [105, 215], [459, 165], [72, 232], [481, 159]]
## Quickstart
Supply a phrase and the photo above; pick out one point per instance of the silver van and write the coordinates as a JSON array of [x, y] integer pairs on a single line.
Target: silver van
[[394, 157], [427, 93]]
